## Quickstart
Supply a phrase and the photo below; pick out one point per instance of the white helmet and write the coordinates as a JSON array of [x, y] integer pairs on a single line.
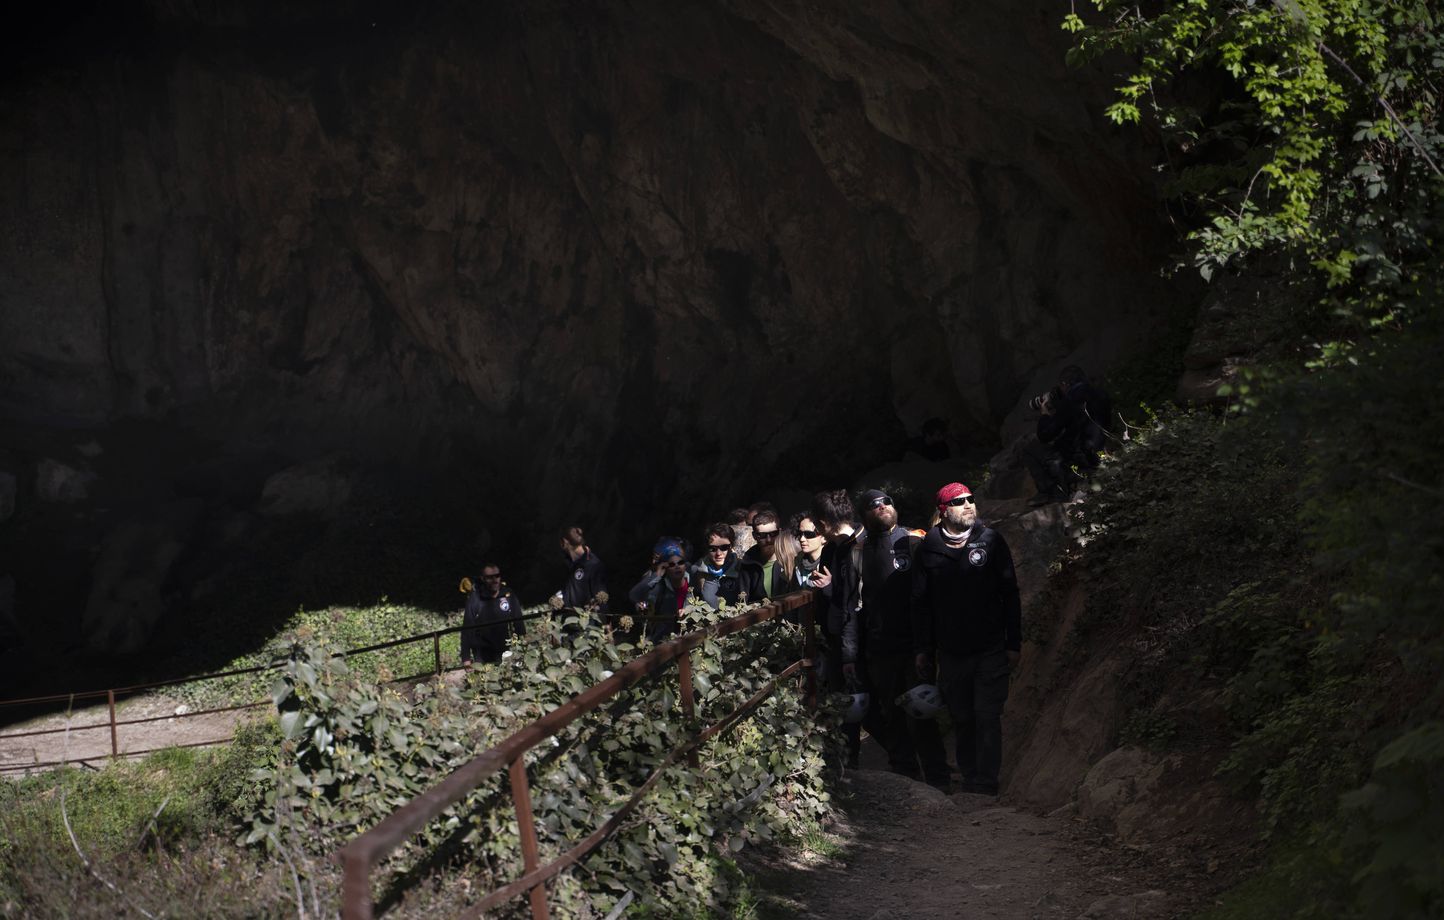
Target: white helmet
[[921, 702], [857, 708]]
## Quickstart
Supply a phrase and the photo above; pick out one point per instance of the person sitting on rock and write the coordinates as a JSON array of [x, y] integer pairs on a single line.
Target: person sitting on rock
[[491, 616], [1069, 435]]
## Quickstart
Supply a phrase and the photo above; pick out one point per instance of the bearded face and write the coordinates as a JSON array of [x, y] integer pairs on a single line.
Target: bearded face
[[960, 517]]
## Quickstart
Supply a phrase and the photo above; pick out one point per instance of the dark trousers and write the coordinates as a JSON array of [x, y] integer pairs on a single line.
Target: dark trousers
[[908, 741], [1046, 465], [834, 681], [975, 687]]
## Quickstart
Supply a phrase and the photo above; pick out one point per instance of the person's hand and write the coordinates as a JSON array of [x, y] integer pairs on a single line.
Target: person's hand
[[924, 665], [822, 577], [555, 601], [1013, 658]]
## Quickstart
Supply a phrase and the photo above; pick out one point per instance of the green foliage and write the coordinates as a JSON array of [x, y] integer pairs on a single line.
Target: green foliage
[[344, 628], [355, 750], [1395, 818], [1299, 151], [1306, 134], [157, 829]]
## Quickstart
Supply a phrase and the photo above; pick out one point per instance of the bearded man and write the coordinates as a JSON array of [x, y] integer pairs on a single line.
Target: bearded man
[[967, 620]]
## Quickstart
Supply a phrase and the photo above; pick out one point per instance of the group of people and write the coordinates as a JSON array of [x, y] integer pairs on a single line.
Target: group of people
[[904, 609]]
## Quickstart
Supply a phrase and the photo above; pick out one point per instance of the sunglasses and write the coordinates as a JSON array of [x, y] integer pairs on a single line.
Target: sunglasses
[[677, 564], [879, 503], [808, 535], [496, 577], [719, 547], [764, 536], [960, 500]]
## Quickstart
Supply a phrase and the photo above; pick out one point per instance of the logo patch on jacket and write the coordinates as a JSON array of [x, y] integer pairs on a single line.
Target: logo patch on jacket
[[901, 563], [577, 575], [505, 605], [978, 556]]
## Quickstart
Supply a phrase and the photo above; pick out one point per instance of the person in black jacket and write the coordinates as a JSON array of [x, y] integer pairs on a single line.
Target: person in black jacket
[[888, 654], [720, 576], [832, 512], [1070, 433], [587, 578], [967, 619], [489, 603]]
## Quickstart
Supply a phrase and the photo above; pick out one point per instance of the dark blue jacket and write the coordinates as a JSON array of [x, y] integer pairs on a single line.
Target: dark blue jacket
[[487, 640], [588, 579], [965, 600]]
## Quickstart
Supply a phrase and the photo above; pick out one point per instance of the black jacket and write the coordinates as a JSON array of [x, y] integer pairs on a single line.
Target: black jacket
[[843, 596], [887, 562], [739, 576], [487, 640], [965, 600], [588, 578], [753, 557]]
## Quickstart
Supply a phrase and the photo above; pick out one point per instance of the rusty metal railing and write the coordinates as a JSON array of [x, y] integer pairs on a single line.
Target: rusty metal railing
[[112, 695], [360, 857]]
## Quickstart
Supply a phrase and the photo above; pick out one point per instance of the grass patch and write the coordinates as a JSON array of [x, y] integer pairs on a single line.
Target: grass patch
[[343, 627], [161, 831]]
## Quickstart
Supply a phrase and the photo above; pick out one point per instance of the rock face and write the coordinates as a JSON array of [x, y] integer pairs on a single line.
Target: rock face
[[616, 262]]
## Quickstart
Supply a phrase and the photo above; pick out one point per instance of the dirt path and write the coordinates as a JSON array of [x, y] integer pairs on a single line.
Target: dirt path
[[910, 851], [89, 737]]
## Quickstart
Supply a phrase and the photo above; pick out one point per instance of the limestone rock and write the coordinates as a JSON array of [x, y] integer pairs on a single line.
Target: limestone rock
[[61, 483], [428, 247], [317, 488], [1141, 906], [128, 593], [8, 488], [1117, 782]]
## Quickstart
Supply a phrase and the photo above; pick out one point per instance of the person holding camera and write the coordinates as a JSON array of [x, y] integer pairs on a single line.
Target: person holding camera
[[1070, 434]]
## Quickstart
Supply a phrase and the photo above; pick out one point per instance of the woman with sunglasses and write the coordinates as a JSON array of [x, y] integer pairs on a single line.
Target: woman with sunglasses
[[662, 594], [807, 568]]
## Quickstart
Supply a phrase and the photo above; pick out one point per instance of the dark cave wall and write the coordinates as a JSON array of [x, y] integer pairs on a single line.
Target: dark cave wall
[[595, 260]]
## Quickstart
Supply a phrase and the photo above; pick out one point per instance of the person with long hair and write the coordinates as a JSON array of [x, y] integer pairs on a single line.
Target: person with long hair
[[807, 568]]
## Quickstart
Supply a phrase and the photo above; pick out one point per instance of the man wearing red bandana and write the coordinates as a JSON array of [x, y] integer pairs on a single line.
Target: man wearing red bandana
[[967, 622]]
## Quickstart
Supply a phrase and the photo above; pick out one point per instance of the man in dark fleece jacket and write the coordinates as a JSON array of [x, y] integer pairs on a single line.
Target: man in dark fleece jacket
[[489, 605], [966, 615], [586, 578], [887, 641]]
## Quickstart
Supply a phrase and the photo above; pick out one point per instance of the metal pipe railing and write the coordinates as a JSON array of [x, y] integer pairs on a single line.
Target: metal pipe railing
[[360, 857]]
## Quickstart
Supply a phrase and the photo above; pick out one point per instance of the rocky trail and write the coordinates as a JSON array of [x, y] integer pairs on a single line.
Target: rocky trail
[[907, 850]]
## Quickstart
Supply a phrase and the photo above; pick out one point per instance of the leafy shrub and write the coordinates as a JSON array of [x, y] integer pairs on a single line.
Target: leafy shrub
[[343, 628], [355, 750]]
